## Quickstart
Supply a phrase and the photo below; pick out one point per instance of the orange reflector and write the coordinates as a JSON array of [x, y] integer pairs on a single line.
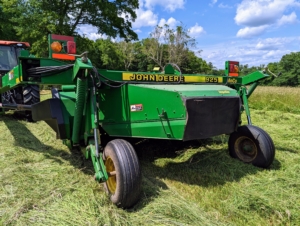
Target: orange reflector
[[234, 74], [56, 47], [62, 56]]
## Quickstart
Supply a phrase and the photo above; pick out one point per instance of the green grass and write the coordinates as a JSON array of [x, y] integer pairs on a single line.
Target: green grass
[[276, 98], [195, 183]]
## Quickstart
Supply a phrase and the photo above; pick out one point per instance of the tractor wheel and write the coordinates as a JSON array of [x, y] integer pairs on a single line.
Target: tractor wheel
[[31, 94], [251, 144], [122, 165]]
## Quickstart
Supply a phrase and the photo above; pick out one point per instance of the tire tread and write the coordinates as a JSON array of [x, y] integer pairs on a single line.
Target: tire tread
[[129, 174], [265, 144]]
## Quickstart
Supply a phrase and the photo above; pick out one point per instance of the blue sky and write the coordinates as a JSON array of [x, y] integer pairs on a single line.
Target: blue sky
[[253, 32]]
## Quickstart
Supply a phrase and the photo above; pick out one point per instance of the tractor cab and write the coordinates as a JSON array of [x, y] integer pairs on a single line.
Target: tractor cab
[[9, 53], [27, 94]]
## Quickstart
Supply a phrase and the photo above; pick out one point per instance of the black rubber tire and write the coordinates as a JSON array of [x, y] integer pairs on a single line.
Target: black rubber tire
[[31, 94], [124, 188], [252, 137]]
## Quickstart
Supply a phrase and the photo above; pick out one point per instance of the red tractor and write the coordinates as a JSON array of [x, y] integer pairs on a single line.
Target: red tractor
[[9, 57]]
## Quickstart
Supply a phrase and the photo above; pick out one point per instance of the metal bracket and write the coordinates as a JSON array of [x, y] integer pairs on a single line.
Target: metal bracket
[[99, 167], [163, 115]]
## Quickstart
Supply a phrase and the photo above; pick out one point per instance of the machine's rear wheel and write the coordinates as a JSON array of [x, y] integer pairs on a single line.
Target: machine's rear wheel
[[31, 94], [251, 144], [122, 166]]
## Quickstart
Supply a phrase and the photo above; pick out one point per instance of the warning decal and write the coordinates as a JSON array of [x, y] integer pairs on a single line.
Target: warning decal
[[136, 107]]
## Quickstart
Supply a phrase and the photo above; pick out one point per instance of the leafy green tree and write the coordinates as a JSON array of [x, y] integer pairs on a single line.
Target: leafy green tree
[[110, 54], [166, 45], [6, 27], [178, 43], [84, 44], [245, 69], [141, 61], [154, 50], [128, 53], [270, 69], [289, 66], [210, 67], [34, 19], [194, 65]]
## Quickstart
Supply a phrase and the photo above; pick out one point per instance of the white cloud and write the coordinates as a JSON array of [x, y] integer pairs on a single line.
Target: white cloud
[[267, 45], [90, 32], [260, 12], [171, 22], [221, 5], [244, 56], [275, 43], [288, 19], [253, 53], [271, 54], [196, 30], [170, 5], [213, 2], [145, 18], [258, 15], [249, 32]]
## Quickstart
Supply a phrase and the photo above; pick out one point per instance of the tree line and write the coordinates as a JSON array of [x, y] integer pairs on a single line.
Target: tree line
[[148, 53], [286, 72], [33, 20]]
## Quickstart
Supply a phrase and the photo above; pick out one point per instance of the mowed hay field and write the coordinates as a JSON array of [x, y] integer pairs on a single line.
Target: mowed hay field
[[194, 183]]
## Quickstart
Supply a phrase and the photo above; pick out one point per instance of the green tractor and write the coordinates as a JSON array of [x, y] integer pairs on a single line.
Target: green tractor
[[93, 104], [9, 57]]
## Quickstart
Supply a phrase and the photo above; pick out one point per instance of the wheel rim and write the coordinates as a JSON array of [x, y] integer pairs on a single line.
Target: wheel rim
[[246, 149], [112, 180]]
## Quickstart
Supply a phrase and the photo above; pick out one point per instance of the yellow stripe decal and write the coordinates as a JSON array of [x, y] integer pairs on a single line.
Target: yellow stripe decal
[[170, 78]]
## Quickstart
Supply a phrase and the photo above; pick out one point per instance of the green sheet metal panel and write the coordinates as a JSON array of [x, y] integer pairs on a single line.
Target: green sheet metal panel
[[62, 78], [172, 129], [133, 110], [153, 111], [68, 108], [195, 90], [11, 79]]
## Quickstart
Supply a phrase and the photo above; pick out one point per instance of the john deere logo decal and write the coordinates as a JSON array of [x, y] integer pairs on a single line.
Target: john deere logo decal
[[163, 78]]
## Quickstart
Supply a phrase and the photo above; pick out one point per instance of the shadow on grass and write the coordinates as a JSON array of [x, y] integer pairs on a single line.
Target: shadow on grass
[[25, 139], [285, 149]]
